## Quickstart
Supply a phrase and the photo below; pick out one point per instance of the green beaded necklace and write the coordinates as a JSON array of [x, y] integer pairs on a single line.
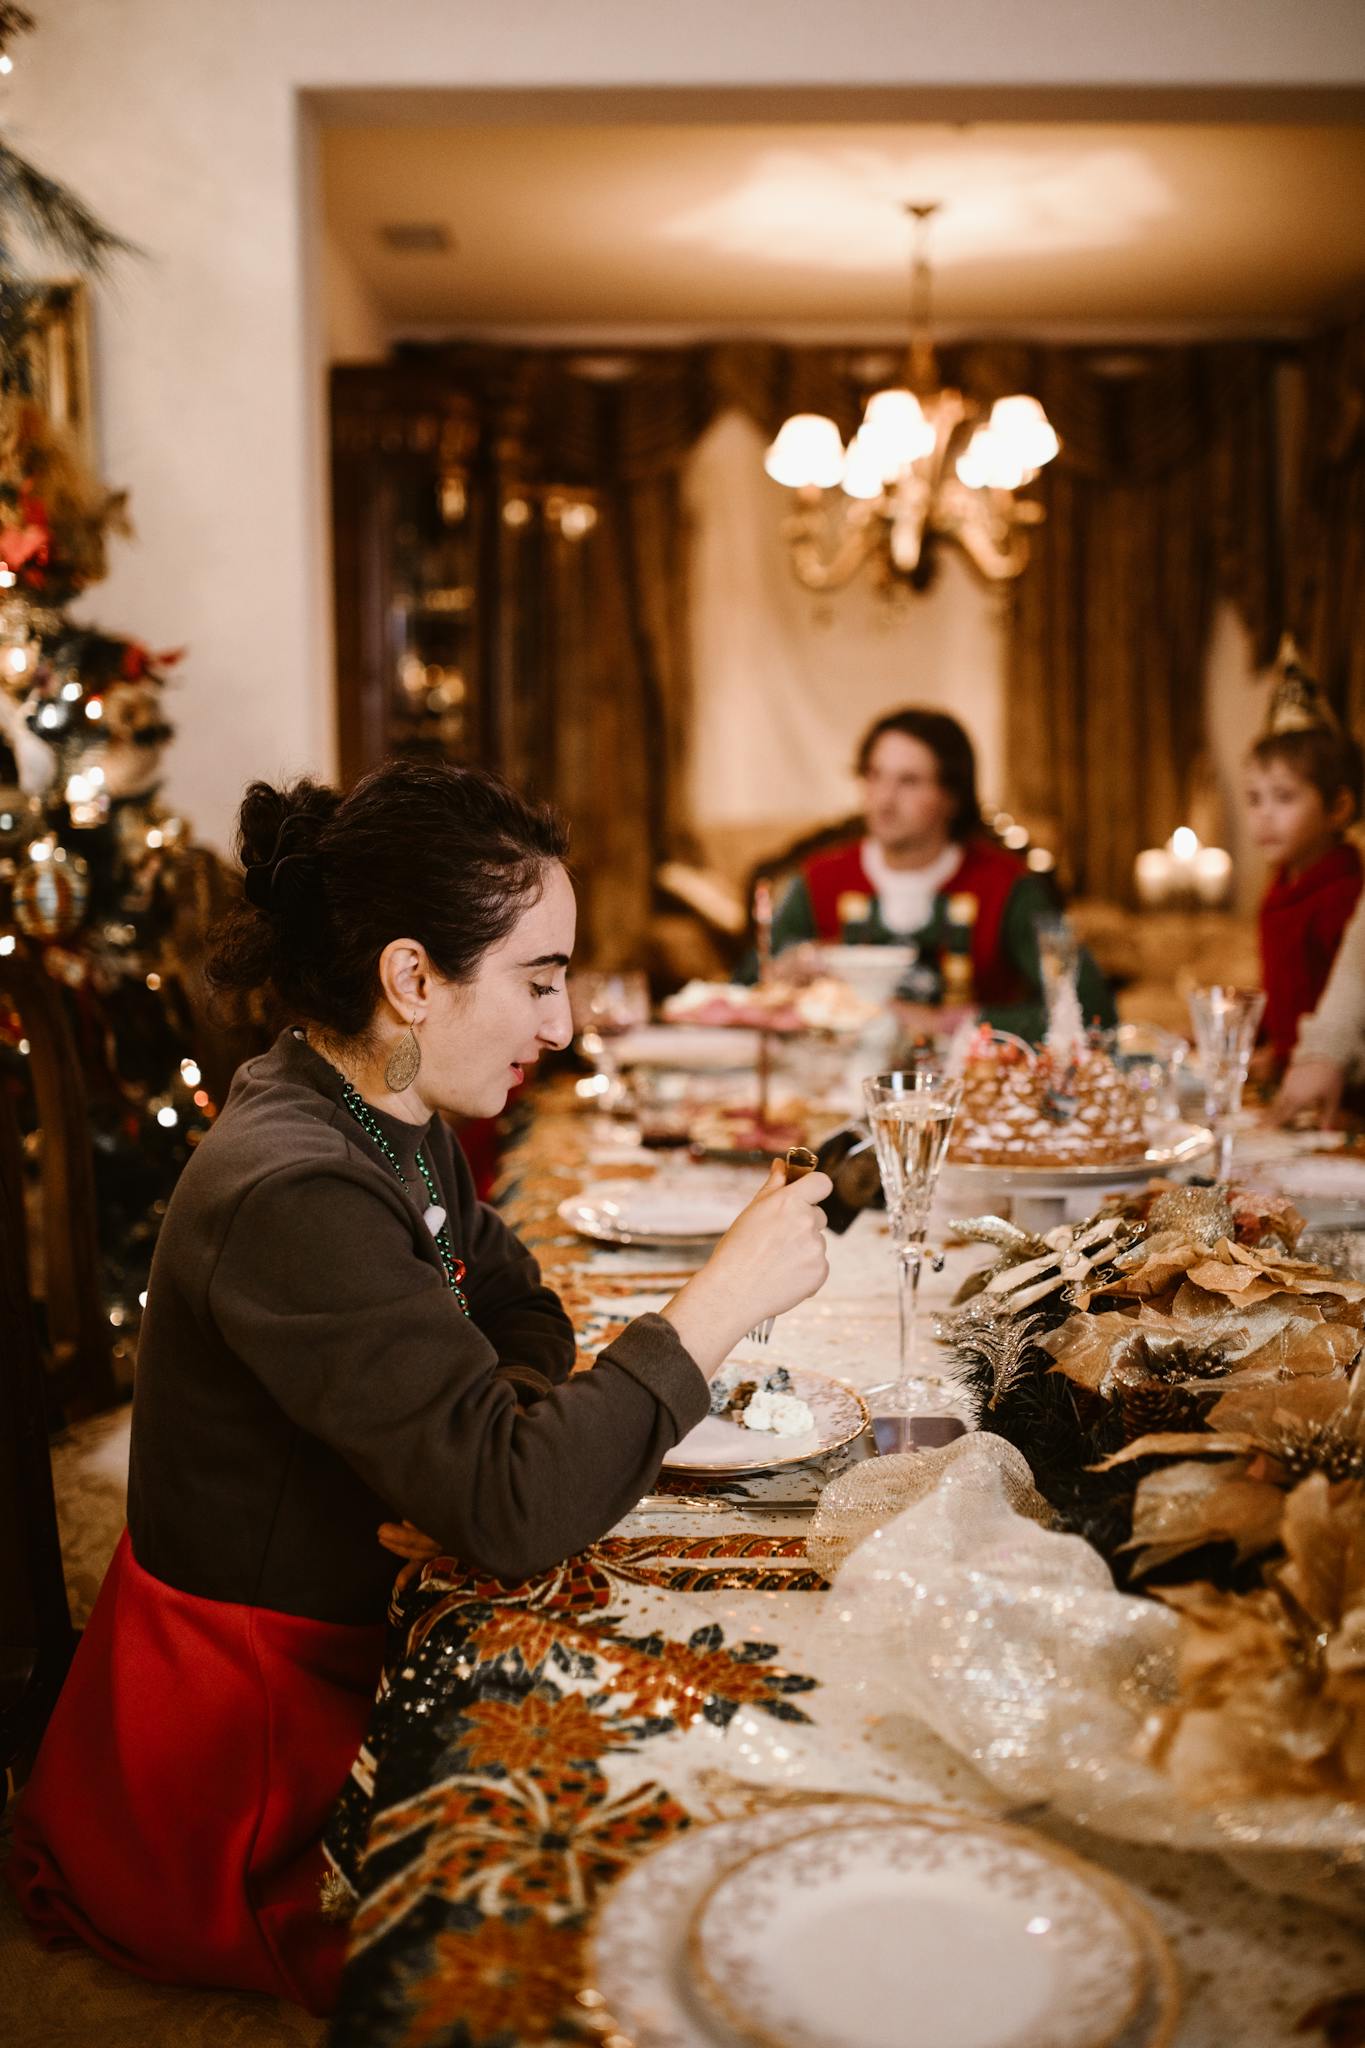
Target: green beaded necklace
[[453, 1268]]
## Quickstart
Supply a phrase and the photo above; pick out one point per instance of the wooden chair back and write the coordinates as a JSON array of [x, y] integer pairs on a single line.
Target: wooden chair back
[[80, 1374], [36, 1636]]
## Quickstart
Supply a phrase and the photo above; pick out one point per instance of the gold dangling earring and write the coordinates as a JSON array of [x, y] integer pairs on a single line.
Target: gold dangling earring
[[400, 1070]]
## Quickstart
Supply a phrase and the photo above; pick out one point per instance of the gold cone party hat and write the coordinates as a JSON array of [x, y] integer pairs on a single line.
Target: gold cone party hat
[[1297, 703]]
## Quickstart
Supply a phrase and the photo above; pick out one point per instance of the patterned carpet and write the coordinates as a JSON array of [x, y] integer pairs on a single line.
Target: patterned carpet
[[69, 1998]]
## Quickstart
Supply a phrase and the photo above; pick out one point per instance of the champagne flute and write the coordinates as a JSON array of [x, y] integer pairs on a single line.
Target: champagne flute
[[911, 1113], [1225, 1023], [604, 1006]]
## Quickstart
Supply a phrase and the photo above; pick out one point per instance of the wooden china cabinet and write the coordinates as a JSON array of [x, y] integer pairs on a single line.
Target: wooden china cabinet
[[443, 536]]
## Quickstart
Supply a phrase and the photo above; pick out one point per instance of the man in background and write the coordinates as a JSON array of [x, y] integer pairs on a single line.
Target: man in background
[[926, 872]]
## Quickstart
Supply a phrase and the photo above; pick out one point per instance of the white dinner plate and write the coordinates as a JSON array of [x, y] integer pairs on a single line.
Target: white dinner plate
[[639, 1957], [1178, 1145], [874, 1933], [719, 1446], [694, 1207], [692, 1048], [1324, 1182]]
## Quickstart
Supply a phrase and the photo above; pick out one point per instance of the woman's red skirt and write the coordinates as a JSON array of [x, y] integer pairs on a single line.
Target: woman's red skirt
[[174, 1815]]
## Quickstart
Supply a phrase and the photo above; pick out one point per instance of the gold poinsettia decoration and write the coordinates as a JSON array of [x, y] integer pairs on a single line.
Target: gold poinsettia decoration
[[1272, 1682], [1265, 1438], [1164, 1264], [1163, 1367], [1198, 1342]]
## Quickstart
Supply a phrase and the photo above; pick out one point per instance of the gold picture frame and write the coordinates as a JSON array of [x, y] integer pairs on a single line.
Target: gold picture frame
[[56, 351]]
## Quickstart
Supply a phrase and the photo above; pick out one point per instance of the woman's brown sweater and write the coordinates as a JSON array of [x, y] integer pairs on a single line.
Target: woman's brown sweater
[[305, 1373]]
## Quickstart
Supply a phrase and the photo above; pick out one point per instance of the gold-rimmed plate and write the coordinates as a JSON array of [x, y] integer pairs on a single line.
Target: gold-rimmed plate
[[640, 1974], [839, 1413], [691, 1208], [873, 1933]]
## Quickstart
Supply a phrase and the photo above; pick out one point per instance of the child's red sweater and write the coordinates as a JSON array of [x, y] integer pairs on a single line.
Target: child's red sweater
[[1301, 925]]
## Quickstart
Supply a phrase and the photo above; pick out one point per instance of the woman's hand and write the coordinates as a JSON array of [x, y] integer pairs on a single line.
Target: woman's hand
[[1263, 1068], [772, 1256], [405, 1539], [1310, 1090]]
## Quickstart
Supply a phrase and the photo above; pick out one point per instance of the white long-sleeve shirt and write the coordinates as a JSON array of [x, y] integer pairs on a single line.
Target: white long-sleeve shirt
[[1336, 1029]]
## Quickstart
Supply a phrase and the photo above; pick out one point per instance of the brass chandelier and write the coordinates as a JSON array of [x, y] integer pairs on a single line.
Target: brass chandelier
[[925, 462]]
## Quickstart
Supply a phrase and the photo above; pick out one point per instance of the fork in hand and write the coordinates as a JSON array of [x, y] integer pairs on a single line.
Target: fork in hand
[[799, 1161]]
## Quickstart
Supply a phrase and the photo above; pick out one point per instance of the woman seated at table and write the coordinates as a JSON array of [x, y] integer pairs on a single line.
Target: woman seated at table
[[339, 1336], [926, 872]]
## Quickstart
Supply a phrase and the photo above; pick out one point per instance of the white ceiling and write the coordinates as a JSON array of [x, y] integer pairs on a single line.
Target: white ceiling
[[679, 231]]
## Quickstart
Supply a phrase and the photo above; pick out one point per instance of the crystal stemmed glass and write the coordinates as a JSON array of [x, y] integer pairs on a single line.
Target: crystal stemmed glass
[[1225, 1023], [911, 1114], [604, 1006]]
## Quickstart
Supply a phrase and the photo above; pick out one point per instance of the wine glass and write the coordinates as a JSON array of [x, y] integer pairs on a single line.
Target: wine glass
[[1225, 1024], [911, 1113], [604, 1006]]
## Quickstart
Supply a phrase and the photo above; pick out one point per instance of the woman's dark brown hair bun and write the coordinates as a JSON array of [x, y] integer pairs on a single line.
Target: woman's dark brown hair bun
[[277, 834], [421, 850]]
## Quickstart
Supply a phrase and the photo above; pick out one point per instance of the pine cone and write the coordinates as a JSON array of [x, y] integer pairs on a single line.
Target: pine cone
[[1151, 1407]]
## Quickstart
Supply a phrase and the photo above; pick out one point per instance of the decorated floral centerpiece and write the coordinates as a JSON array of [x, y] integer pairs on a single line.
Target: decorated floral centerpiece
[[1138, 1593]]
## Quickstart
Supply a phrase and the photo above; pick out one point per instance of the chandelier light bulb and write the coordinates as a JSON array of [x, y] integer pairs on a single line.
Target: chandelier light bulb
[[895, 426], [989, 463], [907, 543], [808, 452], [1021, 425], [863, 472]]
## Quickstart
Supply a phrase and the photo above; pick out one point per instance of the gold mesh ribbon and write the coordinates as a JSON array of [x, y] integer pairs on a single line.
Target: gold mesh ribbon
[[875, 1492], [957, 1600]]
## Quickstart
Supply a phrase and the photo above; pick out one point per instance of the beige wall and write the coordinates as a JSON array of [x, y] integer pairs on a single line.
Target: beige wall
[[354, 329], [180, 121]]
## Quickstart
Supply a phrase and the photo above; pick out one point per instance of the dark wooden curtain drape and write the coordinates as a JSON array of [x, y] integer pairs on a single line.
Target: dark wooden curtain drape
[[1164, 500], [595, 654], [1326, 553]]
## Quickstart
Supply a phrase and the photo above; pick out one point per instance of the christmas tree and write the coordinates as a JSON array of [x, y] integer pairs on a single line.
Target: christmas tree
[[95, 871]]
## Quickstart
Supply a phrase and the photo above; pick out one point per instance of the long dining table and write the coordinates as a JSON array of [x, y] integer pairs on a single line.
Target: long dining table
[[532, 1743]]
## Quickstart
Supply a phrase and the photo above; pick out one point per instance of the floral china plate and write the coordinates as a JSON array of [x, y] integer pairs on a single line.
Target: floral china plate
[[874, 1933], [642, 1974], [717, 1445], [691, 1208]]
